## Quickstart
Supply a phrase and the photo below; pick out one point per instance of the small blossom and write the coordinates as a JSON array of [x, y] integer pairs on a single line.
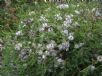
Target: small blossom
[[39, 45], [40, 52], [65, 32], [99, 58], [47, 53], [64, 46], [43, 19], [60, 60], [31, 33], [50, 29], [66, 24], [24, 53], [18, 33], [68, 21], [58, 17], [63, 6], [51, 45], [68, 18], [0, 45], [43, 56], [18, 46], [71, 37], [45, 25]]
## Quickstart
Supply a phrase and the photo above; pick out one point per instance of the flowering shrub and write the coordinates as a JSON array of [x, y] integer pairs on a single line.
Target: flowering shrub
[[53, 40]]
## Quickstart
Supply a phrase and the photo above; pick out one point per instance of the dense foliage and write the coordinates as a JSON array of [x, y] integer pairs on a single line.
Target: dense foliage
[[50, 39]]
